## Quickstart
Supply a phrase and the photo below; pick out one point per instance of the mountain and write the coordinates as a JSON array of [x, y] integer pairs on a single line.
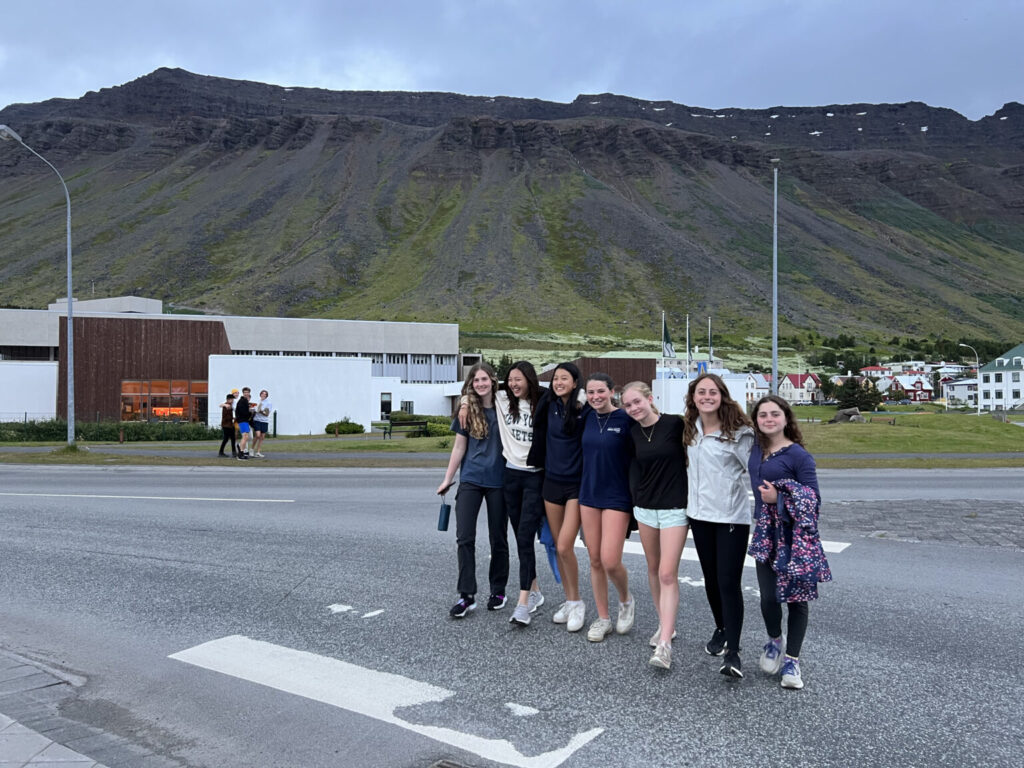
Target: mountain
[[240, 197]]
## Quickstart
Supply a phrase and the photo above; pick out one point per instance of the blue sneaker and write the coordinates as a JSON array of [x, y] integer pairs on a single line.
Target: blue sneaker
[[791, 674], [771, 656]]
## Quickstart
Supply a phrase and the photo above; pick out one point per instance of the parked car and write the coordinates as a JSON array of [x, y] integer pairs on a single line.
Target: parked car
[[904, 401]]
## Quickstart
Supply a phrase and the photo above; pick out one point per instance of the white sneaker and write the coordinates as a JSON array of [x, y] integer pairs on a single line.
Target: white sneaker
[[577, 615], [259, 455], [656, 637], [534, 601], [771, 656], [627, 612], [599, 630], [562, 614], [662, 656]]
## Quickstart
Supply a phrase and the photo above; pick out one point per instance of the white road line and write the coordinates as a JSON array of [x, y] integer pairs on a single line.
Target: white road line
[[631, 547], [521, 710], [150, 498], [360, 690], [371, 614], [339, 608]]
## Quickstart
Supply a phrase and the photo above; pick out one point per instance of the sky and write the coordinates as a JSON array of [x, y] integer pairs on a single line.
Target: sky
[[965, 55]]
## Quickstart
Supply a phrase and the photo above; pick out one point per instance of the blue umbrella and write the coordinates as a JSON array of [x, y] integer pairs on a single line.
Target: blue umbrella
[[549, 544]]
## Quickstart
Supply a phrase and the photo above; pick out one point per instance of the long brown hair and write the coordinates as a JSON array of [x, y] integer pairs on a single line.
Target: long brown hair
[[791, 430], [476, 419], [729, 411]]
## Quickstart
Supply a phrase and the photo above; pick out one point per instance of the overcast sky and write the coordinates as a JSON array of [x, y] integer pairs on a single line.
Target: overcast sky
[[965, 55]]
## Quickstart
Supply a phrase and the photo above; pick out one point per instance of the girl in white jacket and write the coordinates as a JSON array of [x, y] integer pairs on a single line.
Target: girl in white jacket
[[718, 437]]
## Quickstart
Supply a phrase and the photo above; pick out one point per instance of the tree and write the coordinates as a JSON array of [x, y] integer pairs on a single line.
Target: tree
[[853, 395], [828, 388]]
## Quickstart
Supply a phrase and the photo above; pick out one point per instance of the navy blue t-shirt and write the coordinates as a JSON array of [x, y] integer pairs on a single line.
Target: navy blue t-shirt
[[607, 451], [483, 464], [564, 460], [791, 463]]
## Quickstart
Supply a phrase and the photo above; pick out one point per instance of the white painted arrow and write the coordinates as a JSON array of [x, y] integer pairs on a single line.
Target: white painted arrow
[[360, 690]]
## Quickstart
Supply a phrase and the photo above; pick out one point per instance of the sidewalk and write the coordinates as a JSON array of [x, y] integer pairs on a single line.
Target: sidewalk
[[20, 746]]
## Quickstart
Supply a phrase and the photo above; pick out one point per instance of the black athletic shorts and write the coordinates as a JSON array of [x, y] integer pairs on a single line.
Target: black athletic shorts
[[557, 492]]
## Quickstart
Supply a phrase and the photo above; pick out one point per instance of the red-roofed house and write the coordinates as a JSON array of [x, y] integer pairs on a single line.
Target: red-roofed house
[[875, 371], [800, 388]]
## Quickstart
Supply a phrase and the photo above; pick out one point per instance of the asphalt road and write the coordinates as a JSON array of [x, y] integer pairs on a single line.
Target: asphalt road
[[306, 611]]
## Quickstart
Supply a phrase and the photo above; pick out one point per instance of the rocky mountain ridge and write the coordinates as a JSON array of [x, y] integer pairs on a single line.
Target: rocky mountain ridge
[[502, 211]]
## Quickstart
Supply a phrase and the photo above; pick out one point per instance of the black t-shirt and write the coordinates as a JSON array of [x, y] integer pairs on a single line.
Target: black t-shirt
[[242, 412], [657, 474]]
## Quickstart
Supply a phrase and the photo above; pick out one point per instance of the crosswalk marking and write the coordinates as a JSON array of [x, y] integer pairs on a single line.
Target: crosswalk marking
[[632, 547], [363, 691]]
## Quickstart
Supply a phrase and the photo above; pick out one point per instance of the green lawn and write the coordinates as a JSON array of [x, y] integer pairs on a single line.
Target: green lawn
[[916, 433]]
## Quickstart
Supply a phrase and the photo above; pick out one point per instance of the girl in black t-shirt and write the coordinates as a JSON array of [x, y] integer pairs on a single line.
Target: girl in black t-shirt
[[657, 480]]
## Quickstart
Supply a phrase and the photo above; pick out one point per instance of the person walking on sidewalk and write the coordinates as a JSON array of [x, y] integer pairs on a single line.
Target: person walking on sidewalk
[[718, 438], [605, 504], [476, 456], [657, 482], [261, 422], [243, 415], [227, 425], [786, 546]]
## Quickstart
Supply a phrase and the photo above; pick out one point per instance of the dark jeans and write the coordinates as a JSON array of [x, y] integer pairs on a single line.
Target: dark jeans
[[229, 434], [467, 508], [721, 548], [525, 509], [771, 610]]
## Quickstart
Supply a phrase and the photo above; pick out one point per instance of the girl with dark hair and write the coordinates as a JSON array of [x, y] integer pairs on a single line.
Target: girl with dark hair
[[782, 473], [557, 429], [476, 455], [605, 503], [718, 439], [515, 403], [657, 480]]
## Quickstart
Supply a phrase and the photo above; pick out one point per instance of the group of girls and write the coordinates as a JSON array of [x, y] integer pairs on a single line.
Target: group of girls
[[569, 454]]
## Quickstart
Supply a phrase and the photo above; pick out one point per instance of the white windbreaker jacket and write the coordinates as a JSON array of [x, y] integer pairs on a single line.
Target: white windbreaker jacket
[[717, 474]]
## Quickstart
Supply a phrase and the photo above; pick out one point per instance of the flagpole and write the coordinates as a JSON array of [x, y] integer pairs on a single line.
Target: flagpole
[[711, 349], [689, 355]]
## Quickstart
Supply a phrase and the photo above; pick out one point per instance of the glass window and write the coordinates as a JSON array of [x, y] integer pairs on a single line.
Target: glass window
[[160, 387], [1016, 394], [132, 387], [999, 378], [179, 386], [984, 378], [200, 387], [1015, 377]]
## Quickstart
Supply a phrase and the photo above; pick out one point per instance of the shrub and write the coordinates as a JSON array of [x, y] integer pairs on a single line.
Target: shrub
[[105, 431], [438, 430], [344, 427]]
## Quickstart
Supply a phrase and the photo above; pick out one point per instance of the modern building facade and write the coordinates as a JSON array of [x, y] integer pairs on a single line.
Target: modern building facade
[[1002, 381], [132, 362]]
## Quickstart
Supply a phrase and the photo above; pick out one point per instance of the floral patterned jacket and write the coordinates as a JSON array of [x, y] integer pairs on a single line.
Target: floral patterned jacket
[[788, 541]]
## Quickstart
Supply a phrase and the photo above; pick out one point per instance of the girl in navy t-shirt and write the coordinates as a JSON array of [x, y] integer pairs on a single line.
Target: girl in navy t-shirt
[[476, 455], [605, 503]]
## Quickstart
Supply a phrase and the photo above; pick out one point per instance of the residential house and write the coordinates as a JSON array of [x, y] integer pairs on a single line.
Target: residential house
[[961, 392], [917, 389], [875, 371], [1002, 381], [800, 388]]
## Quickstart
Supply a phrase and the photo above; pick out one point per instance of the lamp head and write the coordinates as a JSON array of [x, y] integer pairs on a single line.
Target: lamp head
[[7, 133]]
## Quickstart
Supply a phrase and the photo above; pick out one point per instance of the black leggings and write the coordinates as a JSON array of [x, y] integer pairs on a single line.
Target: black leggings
[[467, 507], [771, 610], [721, 548], [525, 509], [229, 434]]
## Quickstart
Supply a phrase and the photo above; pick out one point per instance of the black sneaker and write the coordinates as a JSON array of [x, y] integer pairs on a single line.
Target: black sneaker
[[731, 666], [241, 457], [465, 605], [496, 602], [716, 645]]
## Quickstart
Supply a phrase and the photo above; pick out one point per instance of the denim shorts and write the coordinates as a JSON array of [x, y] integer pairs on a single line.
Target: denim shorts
[[660, 518]]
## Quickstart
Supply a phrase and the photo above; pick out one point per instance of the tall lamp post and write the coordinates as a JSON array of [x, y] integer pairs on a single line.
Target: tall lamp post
[[775, 275], [977, 368], [7, 133]]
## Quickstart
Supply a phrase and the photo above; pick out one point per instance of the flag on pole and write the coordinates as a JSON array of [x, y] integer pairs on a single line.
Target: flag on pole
[[667, 350]]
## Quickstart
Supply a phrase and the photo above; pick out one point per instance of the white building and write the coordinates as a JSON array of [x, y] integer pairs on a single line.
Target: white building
[[1002, 381]]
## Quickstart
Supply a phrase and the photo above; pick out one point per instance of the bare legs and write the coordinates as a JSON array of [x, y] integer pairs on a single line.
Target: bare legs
[[565, 525], [604, 531], [663, 549]]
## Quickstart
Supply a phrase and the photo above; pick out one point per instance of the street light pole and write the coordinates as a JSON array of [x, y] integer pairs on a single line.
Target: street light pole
[[775, 275], [977, 368], [6, 133]]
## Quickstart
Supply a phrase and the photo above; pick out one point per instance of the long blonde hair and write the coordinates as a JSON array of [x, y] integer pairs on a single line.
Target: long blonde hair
[[476, 419]]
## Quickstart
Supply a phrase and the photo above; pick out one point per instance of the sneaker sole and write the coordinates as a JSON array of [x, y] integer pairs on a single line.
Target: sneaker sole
[[793, 686], [463, 614], [497, 607], [731, 672], [654, 662], [710, 653], [560, 620], [519, 622]]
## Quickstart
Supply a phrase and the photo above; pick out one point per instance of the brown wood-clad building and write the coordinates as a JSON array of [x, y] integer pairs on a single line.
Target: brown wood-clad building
[[623, 370], [131, 368]]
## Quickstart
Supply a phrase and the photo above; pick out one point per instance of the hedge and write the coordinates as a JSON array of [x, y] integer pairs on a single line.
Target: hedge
[[344, 427], [105, 432]]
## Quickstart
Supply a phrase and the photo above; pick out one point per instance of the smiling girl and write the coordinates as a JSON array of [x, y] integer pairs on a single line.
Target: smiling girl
[[718, 439], [779, 459], [476, 455], [657, 480], [605, 503], [558, 427]]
